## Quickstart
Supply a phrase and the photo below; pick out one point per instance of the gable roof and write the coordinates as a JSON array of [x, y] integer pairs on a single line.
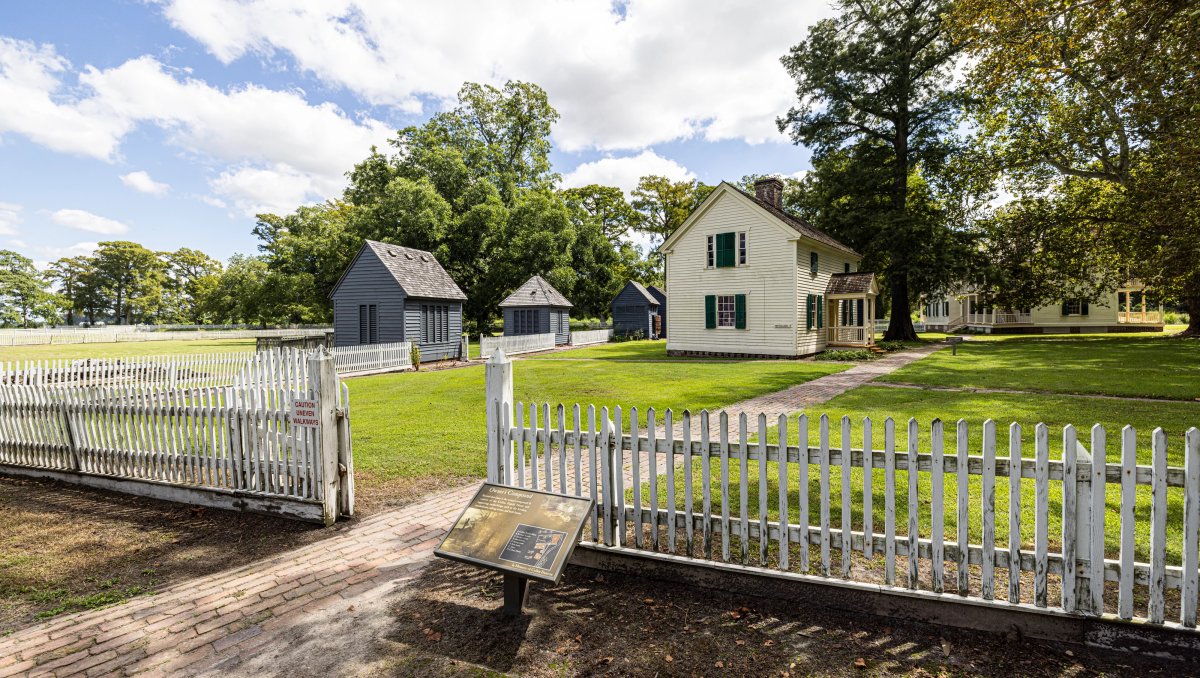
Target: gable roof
[[536, 292], [801, 226], [788, 222], [850, 283], [416, 271], [640, 289], [658, 293]]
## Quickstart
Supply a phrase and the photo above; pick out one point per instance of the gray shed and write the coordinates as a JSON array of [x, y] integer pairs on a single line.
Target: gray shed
[[635, 309], [391, 293], [537, 308]]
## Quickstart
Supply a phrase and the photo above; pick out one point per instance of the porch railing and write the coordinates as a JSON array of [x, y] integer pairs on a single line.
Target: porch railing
[[1149, 317], [999, 318], [847, 335]]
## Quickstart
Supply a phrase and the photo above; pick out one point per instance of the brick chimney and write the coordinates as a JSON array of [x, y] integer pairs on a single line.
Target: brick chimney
[[770, 191]]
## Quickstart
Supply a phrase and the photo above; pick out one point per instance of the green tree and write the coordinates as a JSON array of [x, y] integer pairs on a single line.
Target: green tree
[[191, 277], [604, 207], [131, 280], [1102, 92], [241, 294], [22, 289], [877, 80], [305, 253], [664, 205], [69, 274]]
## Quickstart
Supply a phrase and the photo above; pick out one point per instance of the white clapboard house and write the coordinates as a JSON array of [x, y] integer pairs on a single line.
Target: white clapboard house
[[745, 278], [1128, 309]]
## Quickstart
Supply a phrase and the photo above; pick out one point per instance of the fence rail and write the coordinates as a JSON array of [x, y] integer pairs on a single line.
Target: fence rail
[[233, 446], [526, 343], [585, 337], [372, 357], [933, 516], [106, 336], [168, 371]]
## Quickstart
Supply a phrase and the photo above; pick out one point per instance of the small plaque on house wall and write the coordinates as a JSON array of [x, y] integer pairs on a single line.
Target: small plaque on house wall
[[517, 531]]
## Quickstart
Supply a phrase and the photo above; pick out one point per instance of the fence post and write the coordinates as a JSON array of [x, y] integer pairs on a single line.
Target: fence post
[[1083, 531], [464, 347], [498, 383], [327, 397]]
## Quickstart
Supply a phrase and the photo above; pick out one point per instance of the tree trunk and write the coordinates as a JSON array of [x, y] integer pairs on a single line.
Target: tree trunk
[[1193, 309], [900, 327]]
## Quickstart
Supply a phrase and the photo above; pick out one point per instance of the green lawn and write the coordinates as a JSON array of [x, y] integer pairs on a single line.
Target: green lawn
[[625, 350], [1153, 366], [123, 349], [428, 424], [1054, 410]]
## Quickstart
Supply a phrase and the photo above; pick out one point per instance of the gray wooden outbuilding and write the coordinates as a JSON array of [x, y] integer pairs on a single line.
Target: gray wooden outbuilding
[[635, 309], [661, 295], [391, 293], [537, 308]]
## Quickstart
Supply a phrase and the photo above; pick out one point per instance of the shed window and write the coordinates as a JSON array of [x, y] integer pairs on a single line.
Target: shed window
[[435, 324], [812, 263], [368, 324], [524, 321]]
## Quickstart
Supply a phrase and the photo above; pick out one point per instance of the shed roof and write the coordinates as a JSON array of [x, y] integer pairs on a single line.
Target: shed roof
[[536, 292], [416, 271], [799, 225], [850, 283], [658, 293], [641, 289]]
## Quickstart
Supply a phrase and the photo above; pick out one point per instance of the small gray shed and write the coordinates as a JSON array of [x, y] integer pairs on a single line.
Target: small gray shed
[[635, 309], [537, 308], [391, 293]]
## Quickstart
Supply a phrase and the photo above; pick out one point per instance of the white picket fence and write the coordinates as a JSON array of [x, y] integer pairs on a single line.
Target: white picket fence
[[881, 325], [743, 496], [526, 343], [166, 371], [228, 446], [372, 357], [586, 337], [106, 336]]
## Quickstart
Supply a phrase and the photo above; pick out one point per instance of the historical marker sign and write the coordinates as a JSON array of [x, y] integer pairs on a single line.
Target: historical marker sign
[[518, 531], [304, 413]]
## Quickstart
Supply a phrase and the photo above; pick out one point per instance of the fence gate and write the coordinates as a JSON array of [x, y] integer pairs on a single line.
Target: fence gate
[[276, 441]]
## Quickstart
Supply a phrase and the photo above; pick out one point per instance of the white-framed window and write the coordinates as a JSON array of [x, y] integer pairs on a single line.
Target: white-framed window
[[712, 253], [741, 248], [726, 310], [1072, 307]]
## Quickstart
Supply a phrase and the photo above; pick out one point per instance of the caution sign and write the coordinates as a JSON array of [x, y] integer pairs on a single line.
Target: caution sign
[[304, 413]]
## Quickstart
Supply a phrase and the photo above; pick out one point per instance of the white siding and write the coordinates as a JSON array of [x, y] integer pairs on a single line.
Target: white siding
[[1100, 312], [770, 280], [829, 261]]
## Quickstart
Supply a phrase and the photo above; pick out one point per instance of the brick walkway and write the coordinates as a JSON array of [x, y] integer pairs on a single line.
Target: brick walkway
[[288, 613]]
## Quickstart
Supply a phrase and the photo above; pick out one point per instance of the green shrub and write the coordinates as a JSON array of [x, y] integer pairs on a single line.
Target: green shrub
[[629, 336], [847, 355], [414, 354], [1175, 318], [891, 345]]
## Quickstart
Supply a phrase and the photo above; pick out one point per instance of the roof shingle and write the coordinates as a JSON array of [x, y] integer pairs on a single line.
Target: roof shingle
[[850, 283], [417, 272], [536, 292], [801, 226]]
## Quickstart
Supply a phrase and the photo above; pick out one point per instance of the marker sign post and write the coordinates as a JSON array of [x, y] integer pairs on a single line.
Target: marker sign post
[[526, 534], [305, 413]]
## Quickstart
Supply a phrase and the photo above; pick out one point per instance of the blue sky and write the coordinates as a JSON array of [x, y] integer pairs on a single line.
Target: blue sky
[[172, 122]]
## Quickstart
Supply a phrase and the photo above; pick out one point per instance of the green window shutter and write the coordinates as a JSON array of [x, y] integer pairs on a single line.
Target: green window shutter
[[811, 311], [1064, 307], [710, 312], [1083, 308], [820, 311], [726, 250], [739, 311]]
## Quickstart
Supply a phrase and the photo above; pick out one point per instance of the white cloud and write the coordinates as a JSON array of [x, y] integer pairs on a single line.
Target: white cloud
[[10, 216], [248, 128], [666, 69], [254, 190], [141, 181], [46, 255], [34, 103], [624, 172], [83, 220]]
